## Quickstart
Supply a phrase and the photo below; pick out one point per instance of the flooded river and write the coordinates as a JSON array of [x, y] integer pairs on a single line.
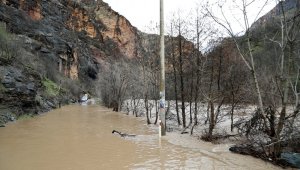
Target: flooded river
[[79, 138]]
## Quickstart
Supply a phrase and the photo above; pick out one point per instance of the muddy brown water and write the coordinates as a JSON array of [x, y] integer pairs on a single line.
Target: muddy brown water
[[79, 138]]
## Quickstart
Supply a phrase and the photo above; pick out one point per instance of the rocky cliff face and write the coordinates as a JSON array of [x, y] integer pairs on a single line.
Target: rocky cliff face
[[119, 30], [60, 46]]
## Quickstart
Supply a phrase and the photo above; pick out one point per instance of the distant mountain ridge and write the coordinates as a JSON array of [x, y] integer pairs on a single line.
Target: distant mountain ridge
[[288, 5]]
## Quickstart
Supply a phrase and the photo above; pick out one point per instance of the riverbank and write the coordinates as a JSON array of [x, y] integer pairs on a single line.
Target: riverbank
[[6, 115], [10, 113], [26, 92]]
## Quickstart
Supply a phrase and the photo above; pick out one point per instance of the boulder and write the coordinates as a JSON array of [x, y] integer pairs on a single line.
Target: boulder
[[292, 159]]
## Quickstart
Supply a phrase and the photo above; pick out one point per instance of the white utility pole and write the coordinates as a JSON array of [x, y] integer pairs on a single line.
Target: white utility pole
[[162, 114]]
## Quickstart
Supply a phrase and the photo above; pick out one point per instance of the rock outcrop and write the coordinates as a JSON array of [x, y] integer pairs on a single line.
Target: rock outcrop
[[59, 47]]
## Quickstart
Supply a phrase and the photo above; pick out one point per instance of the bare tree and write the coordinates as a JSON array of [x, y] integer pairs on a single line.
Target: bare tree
[[177, 47], [213, 92], [179, 28], [203, 31], [289, 31], [115, 83], [246, 56], [174, 63], [265, 120]]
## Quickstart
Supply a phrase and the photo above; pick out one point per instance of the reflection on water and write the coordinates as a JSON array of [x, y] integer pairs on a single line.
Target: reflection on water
[[79, 138]]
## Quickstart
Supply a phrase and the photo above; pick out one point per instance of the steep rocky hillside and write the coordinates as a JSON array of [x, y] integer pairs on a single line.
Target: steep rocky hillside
[[53, 50]]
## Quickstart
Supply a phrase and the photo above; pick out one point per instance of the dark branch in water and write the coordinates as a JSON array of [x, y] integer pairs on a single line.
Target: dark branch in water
[[123, 134]]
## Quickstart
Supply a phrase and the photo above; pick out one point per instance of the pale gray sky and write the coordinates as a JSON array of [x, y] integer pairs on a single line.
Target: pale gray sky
[[141, 12]]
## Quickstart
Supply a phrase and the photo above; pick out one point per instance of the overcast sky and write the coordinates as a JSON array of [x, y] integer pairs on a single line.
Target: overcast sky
[[141, 12]]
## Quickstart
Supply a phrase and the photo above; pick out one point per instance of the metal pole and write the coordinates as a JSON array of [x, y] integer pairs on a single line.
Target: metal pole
[[162, 71]]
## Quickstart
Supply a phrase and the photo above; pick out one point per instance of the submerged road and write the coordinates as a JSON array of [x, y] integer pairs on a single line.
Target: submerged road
[[79, 138]]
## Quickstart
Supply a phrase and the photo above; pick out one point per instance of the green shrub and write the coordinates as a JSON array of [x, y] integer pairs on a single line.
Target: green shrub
[[2, 88], [3, 33], [25, 116], [8, 47], [51, 88]]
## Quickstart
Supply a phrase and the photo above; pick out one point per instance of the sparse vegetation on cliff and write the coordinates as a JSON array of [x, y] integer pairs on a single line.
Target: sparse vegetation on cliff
[[51, 88], [8, 47]]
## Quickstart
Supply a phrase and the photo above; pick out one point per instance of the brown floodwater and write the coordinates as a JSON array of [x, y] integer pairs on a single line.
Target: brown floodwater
[[79, 138]]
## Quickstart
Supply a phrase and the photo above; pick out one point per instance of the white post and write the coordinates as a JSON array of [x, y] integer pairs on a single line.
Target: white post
[[162, 117]]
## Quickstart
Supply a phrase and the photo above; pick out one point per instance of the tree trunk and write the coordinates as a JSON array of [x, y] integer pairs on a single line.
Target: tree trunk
[[156, 112], [134, 108], [297, 99], [285, 93], [219, 72], [191, 117], [218, 111], [198, 76], [181, 80], [257, 88], [175, 77], [167, 113], [147, 109], [119, 105], [146, 102], [207, 114], [232, 110], [156, 118], [191, 98], [212, 119]]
